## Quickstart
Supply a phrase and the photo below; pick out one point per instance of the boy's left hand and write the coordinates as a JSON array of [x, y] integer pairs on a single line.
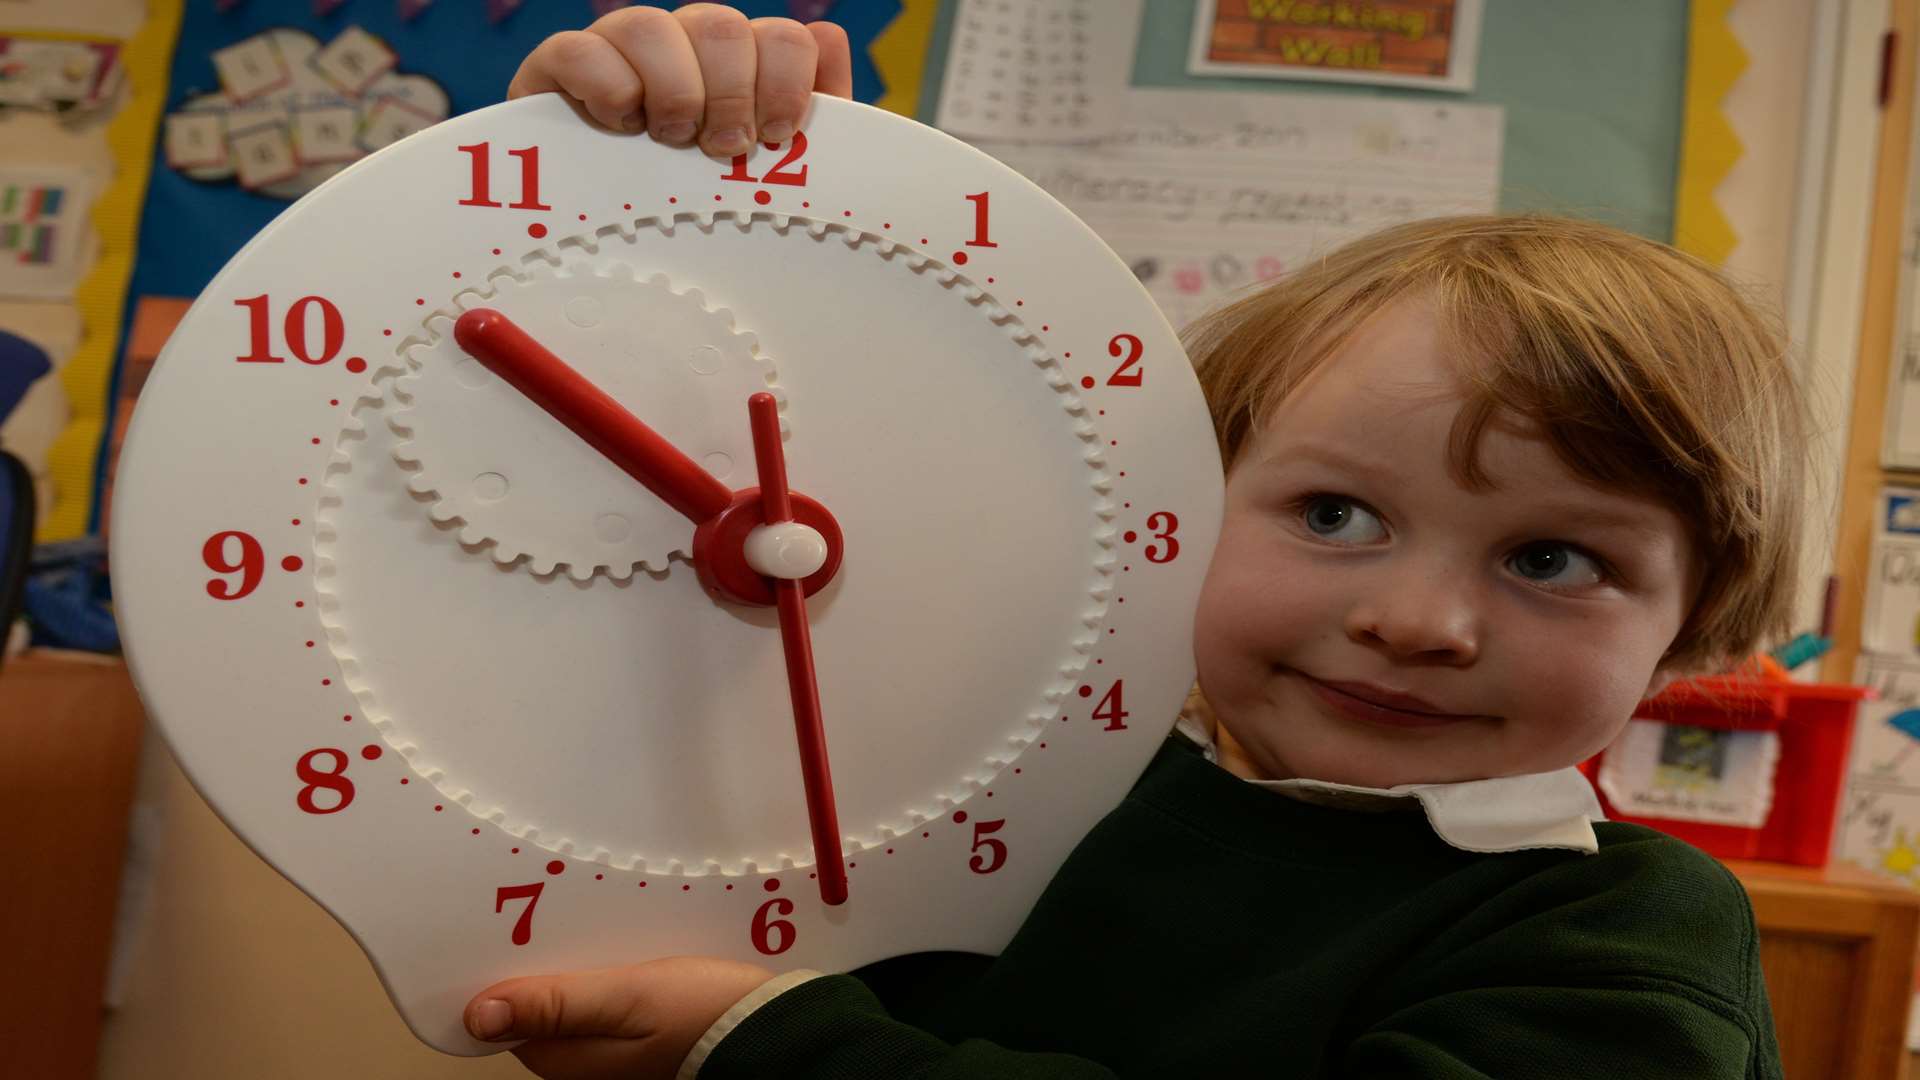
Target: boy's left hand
[[626, 1022]]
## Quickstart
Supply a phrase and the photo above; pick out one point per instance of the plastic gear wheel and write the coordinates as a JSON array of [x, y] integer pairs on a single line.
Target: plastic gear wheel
[[513, 478]]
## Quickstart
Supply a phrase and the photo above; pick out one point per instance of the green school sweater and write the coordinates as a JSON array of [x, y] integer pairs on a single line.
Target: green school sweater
[[1210, 928]]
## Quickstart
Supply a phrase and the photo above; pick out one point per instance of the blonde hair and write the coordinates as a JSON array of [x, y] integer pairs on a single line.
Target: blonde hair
[[1644, 369]]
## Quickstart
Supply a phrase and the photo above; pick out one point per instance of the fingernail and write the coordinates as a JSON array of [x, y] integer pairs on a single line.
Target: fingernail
[[777, 133], [730, 141], [491, 1019], [676, 133]]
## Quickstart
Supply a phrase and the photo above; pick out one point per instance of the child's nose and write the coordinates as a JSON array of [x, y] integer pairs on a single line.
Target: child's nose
[[1426, 616]]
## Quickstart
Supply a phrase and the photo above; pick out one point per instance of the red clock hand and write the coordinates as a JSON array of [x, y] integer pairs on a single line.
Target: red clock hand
[[568, 397], [764, 415]]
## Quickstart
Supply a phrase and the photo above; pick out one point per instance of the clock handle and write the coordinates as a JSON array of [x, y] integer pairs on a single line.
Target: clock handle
[[790, 597]]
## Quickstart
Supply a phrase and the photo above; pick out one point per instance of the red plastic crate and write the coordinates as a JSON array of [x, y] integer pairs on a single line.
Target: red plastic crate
[[1815, 724]]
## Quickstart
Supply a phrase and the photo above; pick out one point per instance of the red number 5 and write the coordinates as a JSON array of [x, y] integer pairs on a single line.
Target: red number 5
[[996, 850]]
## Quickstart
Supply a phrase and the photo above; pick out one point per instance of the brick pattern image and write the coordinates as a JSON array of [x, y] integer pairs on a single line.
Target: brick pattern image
[[1406, 38]]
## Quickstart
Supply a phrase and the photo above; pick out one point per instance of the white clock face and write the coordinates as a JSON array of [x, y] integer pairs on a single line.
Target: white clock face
[[450, 669]]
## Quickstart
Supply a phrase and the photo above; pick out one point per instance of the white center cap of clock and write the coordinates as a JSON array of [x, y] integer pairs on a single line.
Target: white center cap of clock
[[786, 550]]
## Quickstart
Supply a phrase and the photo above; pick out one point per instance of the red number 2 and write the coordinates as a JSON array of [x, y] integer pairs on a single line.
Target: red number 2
[[523, 926], [1131, 346]]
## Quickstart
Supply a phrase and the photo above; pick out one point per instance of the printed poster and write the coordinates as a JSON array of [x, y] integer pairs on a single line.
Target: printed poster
[[1428, 44]]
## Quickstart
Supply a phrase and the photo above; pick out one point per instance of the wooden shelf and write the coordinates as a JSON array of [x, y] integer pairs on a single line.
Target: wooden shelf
[[1837, 948]]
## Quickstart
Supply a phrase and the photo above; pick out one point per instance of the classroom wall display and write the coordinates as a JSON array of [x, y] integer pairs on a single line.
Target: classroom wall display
[[1427, 44]]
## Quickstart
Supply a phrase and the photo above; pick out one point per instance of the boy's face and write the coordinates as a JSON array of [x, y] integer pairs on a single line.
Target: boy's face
[[1368, 620]]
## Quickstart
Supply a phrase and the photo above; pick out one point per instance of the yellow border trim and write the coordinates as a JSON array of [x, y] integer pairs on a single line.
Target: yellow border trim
[[899, 53], [1708, 147], [102, 293]]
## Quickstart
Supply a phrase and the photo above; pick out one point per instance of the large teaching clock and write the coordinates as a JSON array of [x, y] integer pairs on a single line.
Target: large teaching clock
[[550, 549]]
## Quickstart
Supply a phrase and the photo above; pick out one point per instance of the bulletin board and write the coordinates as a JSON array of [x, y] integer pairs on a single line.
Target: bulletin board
[[1593, 96]]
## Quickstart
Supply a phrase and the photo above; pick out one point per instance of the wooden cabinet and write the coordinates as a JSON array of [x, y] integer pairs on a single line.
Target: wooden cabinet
[[71, 728], [1837, 948]]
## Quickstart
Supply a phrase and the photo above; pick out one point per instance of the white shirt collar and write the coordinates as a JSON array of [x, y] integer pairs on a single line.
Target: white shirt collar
[[1507, 813]]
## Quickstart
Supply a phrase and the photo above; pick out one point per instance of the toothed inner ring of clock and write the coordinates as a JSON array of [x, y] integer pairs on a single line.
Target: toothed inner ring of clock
[[588, 666]]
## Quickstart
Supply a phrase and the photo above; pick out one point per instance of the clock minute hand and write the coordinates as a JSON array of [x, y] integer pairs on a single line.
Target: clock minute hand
[[763, 415], [511, 353]]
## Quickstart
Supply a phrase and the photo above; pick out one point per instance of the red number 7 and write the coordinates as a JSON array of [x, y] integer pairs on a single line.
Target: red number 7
[[522, 927]]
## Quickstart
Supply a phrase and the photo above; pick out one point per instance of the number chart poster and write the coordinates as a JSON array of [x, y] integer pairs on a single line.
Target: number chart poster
[[267, 98], [1428, 44]]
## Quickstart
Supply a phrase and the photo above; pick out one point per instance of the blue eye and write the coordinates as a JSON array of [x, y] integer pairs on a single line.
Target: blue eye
[[1340, 520], [1560, 565]]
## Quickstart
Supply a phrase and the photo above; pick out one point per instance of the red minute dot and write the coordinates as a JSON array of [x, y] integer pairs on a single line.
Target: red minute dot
[[514, 851], [403, 780], [356, 365], [326, 682], [729, 888], [1086, 691], [556, 866], [716, 198], [1067, 355], [886, 224], [805, 204], [846, 213], [583, 217], [773, 884], [1044, 328], [347, 719], [925, 835], [1016, 772], [438, 807], [299, 603], [456, 273], [1019, 303], [389, 333], [1113, 442], [643, 884], [419, 301], [309, 644], [686, 888], [599, 877], [959, 817], [889, 851], [959, 258], [316, 442], [626, 206], [496, 251], [371, 752], [1130, 536], [476, 832], [763, 197], [1086, 382], [670, 199], [536, 230], [923, 240], [989, 280], [303, 481], [291, 562], [333, 401]]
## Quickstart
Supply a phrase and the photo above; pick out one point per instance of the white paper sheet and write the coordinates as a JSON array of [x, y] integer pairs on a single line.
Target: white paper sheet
[[1880, 817], [1891, 626], [1038, 69], [1205, 193]]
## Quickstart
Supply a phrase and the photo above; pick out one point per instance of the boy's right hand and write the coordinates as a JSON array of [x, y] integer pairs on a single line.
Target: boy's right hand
[[703, 70]]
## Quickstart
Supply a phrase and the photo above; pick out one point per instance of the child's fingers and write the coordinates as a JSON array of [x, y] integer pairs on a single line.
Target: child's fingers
[[655, 45], [585, 67], [784, 85], [835, 72], [723, 41]]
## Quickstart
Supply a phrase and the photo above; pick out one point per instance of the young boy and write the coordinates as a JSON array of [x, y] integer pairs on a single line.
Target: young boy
[[1491, 482]]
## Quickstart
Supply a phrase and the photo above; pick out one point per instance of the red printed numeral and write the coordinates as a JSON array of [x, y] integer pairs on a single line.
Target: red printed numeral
[[996, 855], [1111, 710], [333, 330], [1163, 524], [980, 221], [779, 174], [1130, 346], [765, 929], [332, 779], [523, 926], [482, 155], [252, 561]]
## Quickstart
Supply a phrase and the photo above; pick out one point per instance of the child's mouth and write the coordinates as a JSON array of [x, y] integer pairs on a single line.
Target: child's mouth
[[1373, 704]]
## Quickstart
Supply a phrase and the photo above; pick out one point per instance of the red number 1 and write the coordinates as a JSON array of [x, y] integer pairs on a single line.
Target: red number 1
[[482, 153], [980, 221]]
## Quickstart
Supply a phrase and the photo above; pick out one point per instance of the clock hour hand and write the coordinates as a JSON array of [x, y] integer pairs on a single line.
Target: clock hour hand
[[511, 353], [790, 552]]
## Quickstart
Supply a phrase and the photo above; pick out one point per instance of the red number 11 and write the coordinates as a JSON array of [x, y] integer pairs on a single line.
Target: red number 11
[[529, 177]]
